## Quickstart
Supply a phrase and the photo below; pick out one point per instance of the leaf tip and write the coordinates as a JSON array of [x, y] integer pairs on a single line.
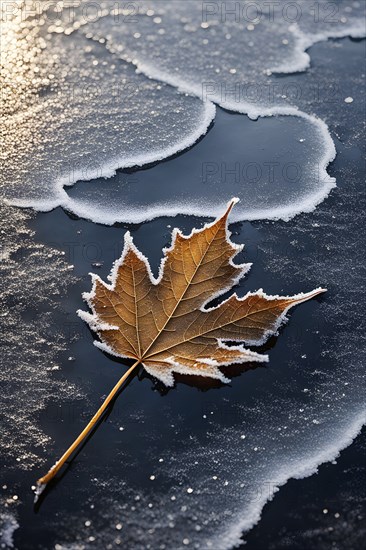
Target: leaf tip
[[82, 314], [231, 204], [317, 291], [128, 239], [94, 277]]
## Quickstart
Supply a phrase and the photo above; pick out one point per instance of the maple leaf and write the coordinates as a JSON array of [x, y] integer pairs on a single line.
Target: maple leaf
[[164, 323]]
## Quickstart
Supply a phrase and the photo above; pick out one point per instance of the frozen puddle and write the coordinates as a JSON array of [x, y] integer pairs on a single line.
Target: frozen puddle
[[179, 476], [87, 115], [273, 165], [128, 87]]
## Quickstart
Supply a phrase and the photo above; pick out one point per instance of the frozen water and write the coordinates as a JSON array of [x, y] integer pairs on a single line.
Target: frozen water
[[274, 178], [121, 96], [295, 414], [34, 278], [80, 113], [208, 49]]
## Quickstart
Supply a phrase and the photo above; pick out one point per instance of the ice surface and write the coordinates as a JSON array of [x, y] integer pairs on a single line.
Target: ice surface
[[294, 415], [231, 477], [108, 90], [223, 52], [34, 277], [80, 113], [274, 177], [300, 411]]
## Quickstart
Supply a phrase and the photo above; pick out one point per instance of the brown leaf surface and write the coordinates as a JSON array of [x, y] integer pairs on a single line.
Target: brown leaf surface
[[164, 322]]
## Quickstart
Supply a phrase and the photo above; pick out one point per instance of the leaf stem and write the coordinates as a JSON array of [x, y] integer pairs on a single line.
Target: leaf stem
[[42, 481]]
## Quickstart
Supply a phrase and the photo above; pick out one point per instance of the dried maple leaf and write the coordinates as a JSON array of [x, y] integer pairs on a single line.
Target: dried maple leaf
[[165, 325]]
